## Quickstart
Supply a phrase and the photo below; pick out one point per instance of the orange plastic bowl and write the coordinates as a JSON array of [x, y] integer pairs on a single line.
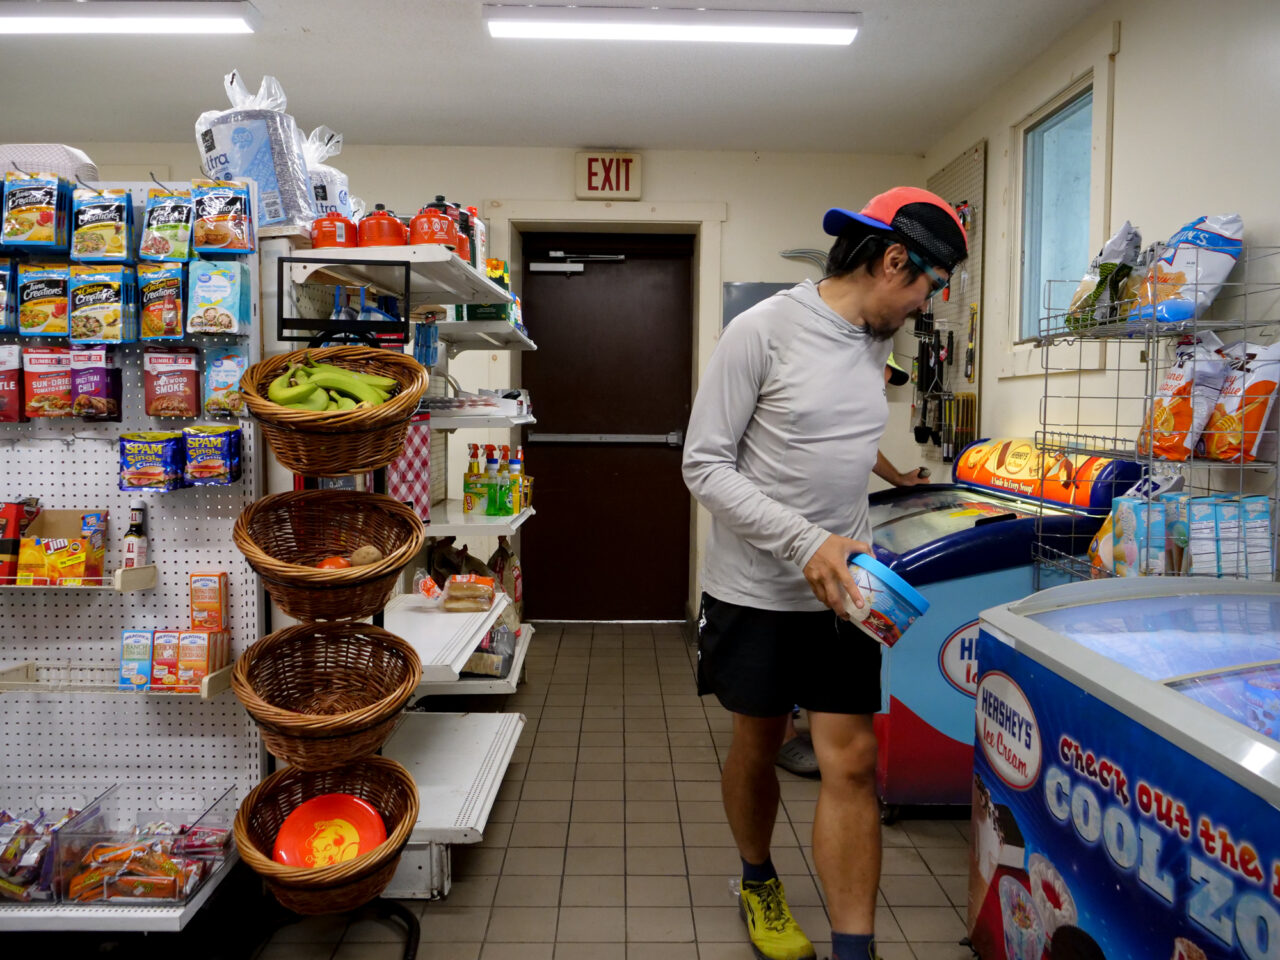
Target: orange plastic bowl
[[328, 829]]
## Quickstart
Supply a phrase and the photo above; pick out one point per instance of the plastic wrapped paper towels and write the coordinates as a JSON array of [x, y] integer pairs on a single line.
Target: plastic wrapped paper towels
[[48, 158], [328, 184], [257, 139]]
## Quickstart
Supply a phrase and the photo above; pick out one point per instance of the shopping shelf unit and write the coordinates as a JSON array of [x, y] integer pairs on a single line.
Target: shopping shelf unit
[[59, 678], [123, 580], [460, 421], [1102, 378], [449, 520]]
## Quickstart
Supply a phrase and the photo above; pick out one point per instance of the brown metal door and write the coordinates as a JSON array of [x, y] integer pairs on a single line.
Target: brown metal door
[[610, 383]]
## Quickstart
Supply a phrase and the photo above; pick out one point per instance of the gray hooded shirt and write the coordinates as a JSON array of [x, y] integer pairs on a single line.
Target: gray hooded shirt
[[781, 443]]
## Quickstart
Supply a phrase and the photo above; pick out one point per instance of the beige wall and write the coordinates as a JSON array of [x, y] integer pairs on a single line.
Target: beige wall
[[1192, 133]]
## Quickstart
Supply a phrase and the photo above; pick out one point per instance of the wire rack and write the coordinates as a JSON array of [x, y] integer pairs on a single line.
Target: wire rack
[[1102, 376]]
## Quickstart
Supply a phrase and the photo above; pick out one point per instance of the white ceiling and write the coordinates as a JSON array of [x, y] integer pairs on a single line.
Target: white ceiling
[[426, 72]]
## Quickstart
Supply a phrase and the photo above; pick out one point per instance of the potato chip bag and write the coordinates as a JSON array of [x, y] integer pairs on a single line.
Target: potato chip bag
[[1239, 422], [1179, 411], [1183, 281]]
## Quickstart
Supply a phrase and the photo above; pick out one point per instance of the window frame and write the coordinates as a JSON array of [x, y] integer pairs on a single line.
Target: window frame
[[1060, 105]]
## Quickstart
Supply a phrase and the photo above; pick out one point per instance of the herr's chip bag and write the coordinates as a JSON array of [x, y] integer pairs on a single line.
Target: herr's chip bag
[[1095, 299], [103, 304], [35, 212], [212, 455], [151, 460], [42, 299], [1181, 408], [166, 226], [1239, 424], [160, 300], [101, 225], [223, 220], [1183, 281]]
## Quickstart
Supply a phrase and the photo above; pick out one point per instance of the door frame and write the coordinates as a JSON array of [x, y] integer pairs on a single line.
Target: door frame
[[508, 220]]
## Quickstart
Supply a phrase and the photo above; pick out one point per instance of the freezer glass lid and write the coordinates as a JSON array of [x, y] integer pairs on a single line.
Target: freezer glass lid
[[916, 519], [1250, 696], [1164, 637]]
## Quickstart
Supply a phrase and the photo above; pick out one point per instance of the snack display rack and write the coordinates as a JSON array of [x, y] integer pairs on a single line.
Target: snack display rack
[[1101, 380], [458, 760], [66, 729]]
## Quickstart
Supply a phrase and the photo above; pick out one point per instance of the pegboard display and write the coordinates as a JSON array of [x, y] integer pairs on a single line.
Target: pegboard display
[[93, 740]]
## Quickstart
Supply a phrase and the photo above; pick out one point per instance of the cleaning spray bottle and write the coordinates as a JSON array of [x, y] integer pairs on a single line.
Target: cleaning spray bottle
[[475, 489], [499, 484]]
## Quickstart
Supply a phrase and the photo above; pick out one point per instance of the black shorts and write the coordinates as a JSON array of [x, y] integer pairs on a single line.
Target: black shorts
[[762, 663]]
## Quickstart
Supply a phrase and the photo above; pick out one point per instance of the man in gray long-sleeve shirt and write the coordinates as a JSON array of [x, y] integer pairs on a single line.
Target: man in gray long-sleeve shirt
[[781, 445]]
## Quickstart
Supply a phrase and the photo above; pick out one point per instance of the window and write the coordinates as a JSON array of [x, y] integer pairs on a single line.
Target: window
[[1056, 157]]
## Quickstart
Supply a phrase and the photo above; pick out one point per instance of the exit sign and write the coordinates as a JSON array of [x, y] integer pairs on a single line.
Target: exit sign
[[608, 176]]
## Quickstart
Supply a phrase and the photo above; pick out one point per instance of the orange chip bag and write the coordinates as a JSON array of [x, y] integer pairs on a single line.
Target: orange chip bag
[[1238, 424], [1179, 412]]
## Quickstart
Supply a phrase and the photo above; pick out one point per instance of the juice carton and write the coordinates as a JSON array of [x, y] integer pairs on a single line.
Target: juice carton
[[209, 610], [197, 650], [1138, 530], [164, 661], [1231, 561], [1260, 561], [135, 660], [1202, 543]]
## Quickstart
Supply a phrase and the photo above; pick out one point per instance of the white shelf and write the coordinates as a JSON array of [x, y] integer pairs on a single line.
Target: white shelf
[[436, 273], [133, 917], [462, 421], [32, 677], [461, 335], [448, 520], [485, 685], [124, 580], [443, 640], [458, 760]]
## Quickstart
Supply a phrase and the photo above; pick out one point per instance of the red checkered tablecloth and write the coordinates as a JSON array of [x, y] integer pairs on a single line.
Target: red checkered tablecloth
[[409, 478]]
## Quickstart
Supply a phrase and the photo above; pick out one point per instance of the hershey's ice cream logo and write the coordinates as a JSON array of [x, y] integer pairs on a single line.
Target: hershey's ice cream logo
[[1008, 730], [958, 659]]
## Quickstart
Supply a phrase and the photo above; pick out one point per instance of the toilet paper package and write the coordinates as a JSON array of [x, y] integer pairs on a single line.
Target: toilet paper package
[[258, 140], [329, 185]]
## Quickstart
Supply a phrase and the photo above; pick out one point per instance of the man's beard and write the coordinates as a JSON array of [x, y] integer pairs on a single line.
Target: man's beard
[[880, 329]]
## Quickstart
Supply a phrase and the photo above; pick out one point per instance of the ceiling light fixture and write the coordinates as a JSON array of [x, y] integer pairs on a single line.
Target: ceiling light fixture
[[200, 17], [655, 23]]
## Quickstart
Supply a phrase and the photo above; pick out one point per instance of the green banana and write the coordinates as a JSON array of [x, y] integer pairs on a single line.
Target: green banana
[[372, 379], [316, 400], [344, 383], [280, 391], [346, 403]]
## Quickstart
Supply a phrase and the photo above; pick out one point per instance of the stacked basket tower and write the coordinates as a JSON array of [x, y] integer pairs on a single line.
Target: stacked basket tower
[[327, 692]]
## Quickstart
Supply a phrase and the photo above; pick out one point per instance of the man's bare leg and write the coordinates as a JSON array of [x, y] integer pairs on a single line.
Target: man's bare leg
[[749, 784]]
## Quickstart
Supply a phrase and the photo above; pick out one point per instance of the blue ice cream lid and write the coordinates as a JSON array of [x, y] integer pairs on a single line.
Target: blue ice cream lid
[[890, 580]]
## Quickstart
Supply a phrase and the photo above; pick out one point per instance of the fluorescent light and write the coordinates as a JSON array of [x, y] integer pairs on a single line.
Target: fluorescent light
[[200, 17], [682, 25]]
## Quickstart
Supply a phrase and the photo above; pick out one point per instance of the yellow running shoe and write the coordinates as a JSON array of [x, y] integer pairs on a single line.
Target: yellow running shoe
[[774, 933]]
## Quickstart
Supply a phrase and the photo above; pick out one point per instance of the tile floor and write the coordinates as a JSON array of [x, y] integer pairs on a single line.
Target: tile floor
[[608, 842]]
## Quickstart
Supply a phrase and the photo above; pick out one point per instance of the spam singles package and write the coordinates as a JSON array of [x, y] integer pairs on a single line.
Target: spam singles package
[[198, 456]]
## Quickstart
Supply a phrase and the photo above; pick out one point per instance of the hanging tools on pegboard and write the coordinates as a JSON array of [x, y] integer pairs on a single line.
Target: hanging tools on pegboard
[[970, 351]]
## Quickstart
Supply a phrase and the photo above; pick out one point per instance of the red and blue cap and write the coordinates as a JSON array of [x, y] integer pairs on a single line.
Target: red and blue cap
[[918, 218]]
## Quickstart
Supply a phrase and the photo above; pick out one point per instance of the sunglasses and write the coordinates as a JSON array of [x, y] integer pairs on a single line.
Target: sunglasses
[[938, 283]]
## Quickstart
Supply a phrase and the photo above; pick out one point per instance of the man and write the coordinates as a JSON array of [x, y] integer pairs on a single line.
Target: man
[[780, 448], [796, 753]]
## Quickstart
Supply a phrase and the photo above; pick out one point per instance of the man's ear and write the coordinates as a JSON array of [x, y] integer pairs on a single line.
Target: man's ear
[[895, 259]]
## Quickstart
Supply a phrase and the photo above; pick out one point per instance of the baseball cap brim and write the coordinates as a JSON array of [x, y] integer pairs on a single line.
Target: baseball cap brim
[[897, 375], [837, 220]]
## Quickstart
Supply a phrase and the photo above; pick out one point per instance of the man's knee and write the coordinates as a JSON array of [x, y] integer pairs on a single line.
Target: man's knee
[[848, 758], [758, 738]]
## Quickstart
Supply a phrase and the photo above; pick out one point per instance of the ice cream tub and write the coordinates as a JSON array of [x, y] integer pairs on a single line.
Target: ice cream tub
[[890, 604]]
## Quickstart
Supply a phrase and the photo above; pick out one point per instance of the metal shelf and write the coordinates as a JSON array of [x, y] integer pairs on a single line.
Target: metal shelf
[[32, 917], [460, 335], [1117, 448], [436, 273], [33, 677], [447, 421], [443, 640], [483, 685], [124, 580], [458, 760], [448, 520]]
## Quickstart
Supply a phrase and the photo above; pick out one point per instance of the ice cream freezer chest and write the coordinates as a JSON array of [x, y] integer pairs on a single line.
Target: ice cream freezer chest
[[1126, 784], [967, 545]]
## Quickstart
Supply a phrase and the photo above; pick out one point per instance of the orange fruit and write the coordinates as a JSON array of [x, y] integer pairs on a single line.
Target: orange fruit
[[333, 563]]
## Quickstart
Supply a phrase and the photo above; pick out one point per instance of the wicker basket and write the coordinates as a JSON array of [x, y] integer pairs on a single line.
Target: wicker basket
[[337, 443], [344, 886], [325, 694], [284, 535]]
